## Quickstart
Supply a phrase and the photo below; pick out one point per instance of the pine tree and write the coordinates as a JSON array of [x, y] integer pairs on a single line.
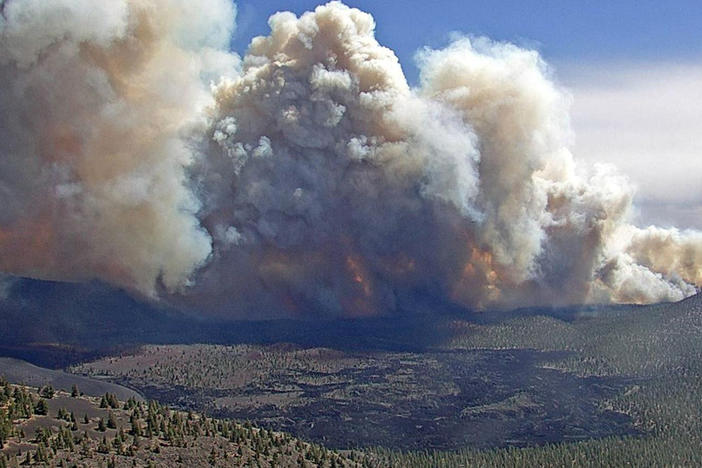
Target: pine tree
[[112, 400], [136, 427], [111, 422], [103, 447], [41, 408], [47, 392]]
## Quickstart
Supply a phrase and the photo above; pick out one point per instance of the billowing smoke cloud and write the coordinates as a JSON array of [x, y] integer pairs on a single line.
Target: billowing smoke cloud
[[312, 179], [97, 100]]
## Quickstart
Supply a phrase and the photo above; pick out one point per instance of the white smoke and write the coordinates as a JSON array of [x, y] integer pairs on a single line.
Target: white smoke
[[323, 181], [97, 100]]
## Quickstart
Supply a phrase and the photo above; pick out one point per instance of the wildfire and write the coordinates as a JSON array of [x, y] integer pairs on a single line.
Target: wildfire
[[478, 281], [358, 276], [359, 305]]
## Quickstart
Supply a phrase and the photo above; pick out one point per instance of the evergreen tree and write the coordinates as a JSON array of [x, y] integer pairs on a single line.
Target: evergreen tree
[[111, 422], [47, 392], [103, 447], [41, 408]]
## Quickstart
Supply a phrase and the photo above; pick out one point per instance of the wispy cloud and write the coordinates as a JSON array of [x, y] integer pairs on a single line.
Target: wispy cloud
[[646, 119]]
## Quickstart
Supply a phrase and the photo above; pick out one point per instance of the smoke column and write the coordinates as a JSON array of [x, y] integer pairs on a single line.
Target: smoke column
[[306, 178], [97, 98]]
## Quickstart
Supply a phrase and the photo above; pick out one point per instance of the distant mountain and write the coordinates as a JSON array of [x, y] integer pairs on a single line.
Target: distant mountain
[[36, 311], [55, 323]]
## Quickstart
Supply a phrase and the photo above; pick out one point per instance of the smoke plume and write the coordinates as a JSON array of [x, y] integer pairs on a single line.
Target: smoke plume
[[97, 98], [307, 177]]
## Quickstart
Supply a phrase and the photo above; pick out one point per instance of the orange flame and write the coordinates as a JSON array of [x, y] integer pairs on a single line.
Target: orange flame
[[478, 283], [358, 276], [360, 305]]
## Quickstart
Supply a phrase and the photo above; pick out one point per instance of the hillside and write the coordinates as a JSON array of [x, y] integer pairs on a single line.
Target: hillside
[[17, 371], [43, 427]]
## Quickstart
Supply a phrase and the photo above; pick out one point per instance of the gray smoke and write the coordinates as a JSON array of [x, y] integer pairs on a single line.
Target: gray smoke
[[311, 179]]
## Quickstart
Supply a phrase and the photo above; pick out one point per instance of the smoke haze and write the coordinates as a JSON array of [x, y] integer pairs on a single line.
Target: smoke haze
[[645, 118], [306, 177]]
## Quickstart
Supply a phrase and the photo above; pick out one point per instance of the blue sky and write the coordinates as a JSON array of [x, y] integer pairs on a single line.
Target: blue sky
[[634, 69], [563, 30]]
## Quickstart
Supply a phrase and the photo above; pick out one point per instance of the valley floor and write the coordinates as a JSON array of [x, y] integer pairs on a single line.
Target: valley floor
[[596, 387]]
